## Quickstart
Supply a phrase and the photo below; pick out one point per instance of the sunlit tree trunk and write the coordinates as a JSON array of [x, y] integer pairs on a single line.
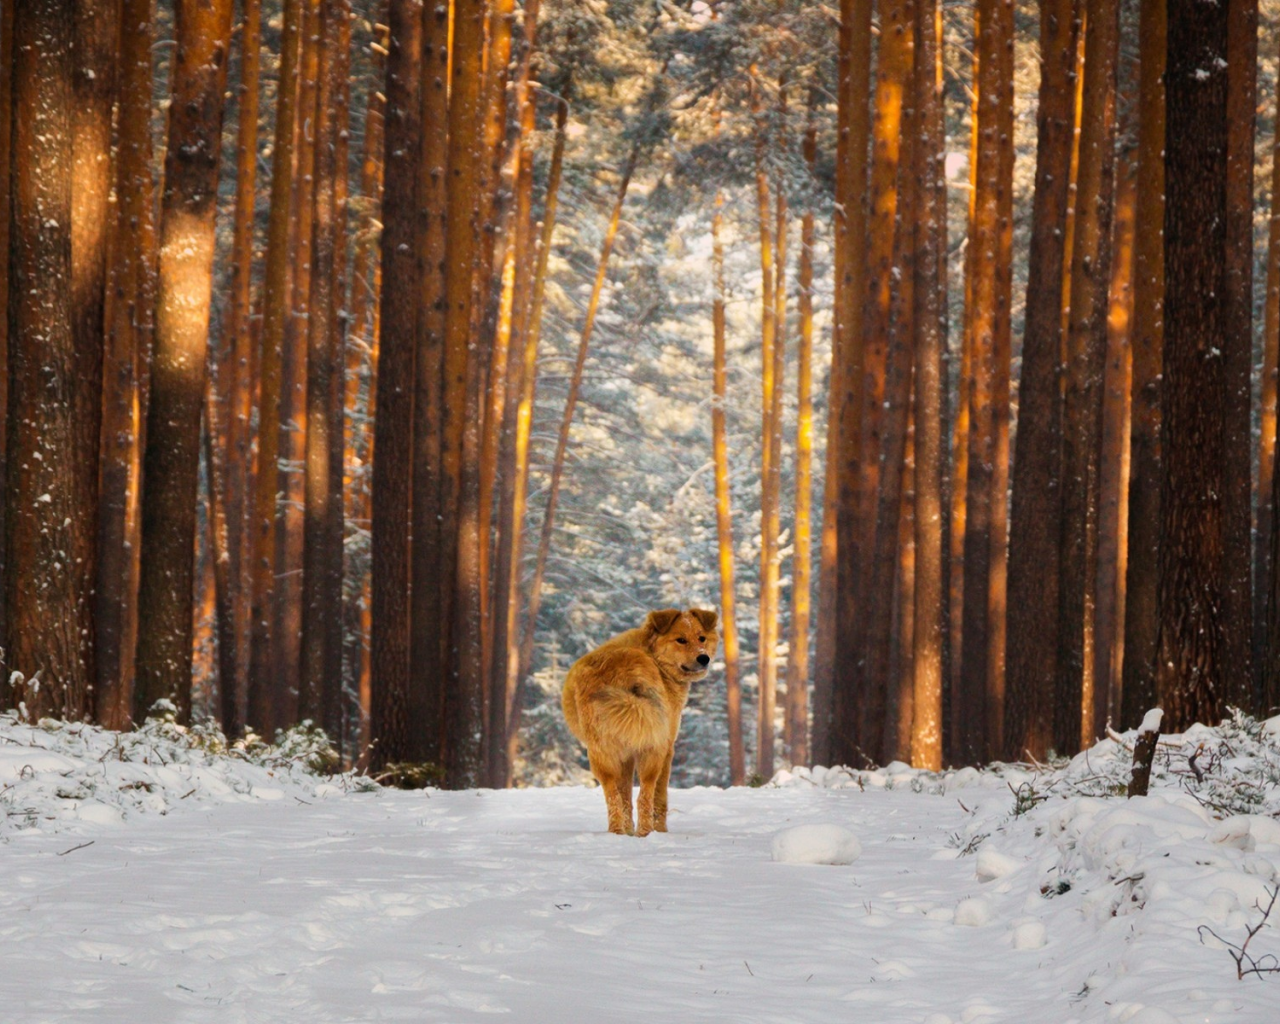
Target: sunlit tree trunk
[[131, 310], [185, 283], [361, 343], [836, 736], [263, 685], [233, 404], [513, 320], [1113, 503], [1192, 641], [522, 664], [1266, 438], [1033, 549], [49, 576], [464, 400], [928, 326], [1138, 689], [397, 726], [320, 698], [987, 327], [798, 656], [1075, 696], [97, 38], [293, 392]]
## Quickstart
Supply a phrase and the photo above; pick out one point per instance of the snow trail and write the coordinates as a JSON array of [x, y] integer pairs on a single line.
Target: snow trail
[[435, 906]]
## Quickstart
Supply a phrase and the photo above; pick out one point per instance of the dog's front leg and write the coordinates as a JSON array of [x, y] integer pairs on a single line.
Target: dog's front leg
[[650, 771]]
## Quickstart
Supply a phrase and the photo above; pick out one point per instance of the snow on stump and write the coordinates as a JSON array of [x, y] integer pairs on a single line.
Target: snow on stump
[[1144, 752], [816, 844]]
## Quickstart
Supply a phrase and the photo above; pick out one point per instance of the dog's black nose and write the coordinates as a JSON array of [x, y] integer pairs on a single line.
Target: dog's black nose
[[704, 659]]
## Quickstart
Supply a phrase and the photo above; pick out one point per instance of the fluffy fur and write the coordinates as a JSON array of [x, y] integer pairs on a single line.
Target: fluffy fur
[[624, 700]]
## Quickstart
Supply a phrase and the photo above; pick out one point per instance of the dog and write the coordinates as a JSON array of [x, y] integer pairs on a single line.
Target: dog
[[624, 700]]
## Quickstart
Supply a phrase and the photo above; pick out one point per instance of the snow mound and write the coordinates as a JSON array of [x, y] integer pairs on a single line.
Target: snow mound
[[973, 912], [816, 844], [71, 777]]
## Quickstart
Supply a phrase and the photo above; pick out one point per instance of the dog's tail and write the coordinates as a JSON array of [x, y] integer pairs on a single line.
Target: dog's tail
[[633, 712]]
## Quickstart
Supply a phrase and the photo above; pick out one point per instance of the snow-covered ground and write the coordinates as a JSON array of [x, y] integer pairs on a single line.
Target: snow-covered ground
[[186, 885]]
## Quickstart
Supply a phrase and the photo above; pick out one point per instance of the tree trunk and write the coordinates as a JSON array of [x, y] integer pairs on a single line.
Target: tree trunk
[[1033, 548], [132, 283], [464, 396], [1074, 695], [429, 606], [521, 665], [320, 698], [836, 738], [1266, 437], [988, 330], [185, 284], [6, 106], [928, 326], [293, 393], [1138, 689], [52, 397], [1196, 400], [397, 727], [262, 704], [1237, 612], [798, 656]]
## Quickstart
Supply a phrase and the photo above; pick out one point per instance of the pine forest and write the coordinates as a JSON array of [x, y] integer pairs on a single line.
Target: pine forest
[[366, 362]]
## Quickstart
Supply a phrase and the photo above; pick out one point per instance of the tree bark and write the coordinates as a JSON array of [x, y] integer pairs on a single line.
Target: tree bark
[[132, 284], [262, 704], [185, 284], [49, 576], [1138, 690], [320, 698], [1033, 546], [464, 395], [1196, 400], [836, 730], [396, 726], [929, 336]]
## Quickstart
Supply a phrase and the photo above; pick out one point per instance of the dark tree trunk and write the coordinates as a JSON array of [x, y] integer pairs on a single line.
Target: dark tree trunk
[[53, 392], [1037, 468], [395, 729], [185, 284], [1196, 399]]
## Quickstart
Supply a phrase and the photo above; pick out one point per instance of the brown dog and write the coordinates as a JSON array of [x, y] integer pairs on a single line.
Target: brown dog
[[624, 700]]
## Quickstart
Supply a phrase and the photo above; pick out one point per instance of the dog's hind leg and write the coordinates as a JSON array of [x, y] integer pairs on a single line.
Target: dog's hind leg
[[650, 765], [625, 787], [611, 782]]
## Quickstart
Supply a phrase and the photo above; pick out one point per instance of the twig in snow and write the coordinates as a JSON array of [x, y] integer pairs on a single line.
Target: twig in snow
[[748, 967], [74, 848], [1265, 964]]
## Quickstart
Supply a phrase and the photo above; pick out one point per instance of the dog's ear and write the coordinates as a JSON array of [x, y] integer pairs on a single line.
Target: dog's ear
[[707, 618], [659, 622]]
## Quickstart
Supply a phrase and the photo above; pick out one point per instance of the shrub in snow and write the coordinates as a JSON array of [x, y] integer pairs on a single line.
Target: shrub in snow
[[816, 844]]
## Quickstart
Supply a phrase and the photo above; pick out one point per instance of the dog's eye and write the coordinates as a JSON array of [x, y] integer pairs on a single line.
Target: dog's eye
[[681, 640]]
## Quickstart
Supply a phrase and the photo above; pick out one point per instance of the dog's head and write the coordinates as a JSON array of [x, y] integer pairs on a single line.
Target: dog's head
[[683, 643]]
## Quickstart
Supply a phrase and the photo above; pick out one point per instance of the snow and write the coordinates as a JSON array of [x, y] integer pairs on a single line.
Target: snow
[[154, 876], [1151, 721], [816, 844]]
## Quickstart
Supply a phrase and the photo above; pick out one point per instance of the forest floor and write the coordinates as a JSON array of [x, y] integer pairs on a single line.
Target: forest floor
[[152, 884]]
